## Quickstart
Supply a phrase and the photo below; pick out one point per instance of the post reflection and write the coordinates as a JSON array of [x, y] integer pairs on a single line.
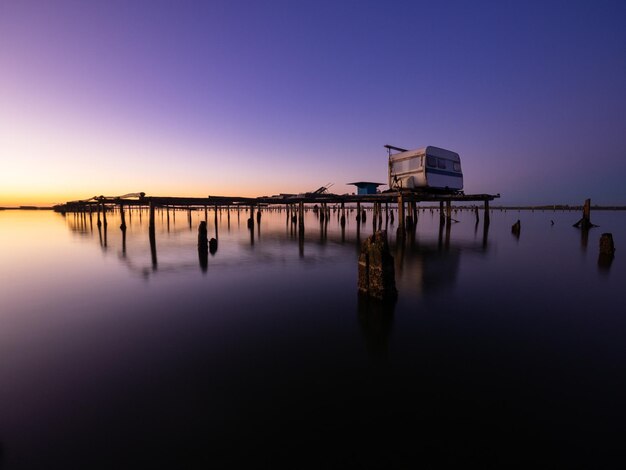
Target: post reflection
[[375, 318], [153, 250]]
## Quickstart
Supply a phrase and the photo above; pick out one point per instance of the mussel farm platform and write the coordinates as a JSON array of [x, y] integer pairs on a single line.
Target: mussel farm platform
[[400, 198]]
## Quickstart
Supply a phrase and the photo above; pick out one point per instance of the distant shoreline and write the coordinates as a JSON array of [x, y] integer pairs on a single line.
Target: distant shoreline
[[551, 207], [27, 208]]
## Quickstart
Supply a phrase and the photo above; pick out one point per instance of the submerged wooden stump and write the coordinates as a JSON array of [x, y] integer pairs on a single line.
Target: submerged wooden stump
[[516, 228], [203, 242], [376, 268], [607, 247], [585, 221]]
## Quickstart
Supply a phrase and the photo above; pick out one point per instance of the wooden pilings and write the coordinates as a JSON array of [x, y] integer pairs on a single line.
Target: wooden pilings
[[400, 212], [442, 219], [104, 214], [123, 218], [487, 220], [152, 236]]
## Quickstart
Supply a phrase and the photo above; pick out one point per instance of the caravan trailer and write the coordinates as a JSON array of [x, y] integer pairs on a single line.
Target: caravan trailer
[[426, 169]]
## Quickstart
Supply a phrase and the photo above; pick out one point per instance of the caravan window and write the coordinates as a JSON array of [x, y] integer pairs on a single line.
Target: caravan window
[[414, 163], [401, 166], [431, 161], [456, 166], [441, 163]]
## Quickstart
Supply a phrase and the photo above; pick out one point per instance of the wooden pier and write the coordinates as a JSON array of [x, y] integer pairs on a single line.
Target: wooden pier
[[405, 204], [403, 199]]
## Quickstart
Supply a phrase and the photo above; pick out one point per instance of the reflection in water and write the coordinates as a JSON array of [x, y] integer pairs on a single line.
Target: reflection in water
[[153, 250], [203, 258], [584, 238], [446, 348], [604, 262], [203, 246], [376, 322]]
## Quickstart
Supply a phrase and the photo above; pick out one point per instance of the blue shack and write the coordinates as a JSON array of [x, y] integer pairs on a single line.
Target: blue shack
[[366, 187]]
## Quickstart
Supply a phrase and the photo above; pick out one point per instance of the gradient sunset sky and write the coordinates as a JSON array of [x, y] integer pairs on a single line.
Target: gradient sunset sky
[[261, 97]]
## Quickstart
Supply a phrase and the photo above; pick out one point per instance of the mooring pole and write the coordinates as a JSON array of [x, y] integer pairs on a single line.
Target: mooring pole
[[123, 225], [152, 236], [442, 218], [400, 212], [215, 222], [449, 211], [104, 213], [487, 212]]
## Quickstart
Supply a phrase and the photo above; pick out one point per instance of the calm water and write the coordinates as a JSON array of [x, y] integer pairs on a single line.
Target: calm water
[[499, 351]]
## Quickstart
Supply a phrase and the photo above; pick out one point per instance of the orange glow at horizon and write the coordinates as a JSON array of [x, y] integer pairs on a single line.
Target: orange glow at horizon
[[48, 161]]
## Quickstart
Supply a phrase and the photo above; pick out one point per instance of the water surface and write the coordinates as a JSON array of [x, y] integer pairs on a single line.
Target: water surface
[[500, 351]]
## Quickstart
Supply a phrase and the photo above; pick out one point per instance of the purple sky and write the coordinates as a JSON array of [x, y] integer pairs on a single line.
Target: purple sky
[[256, 98]]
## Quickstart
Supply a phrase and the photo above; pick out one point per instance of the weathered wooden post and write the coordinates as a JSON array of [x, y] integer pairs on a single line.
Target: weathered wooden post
[[487, 221], [251, 218], [358, 212], [400, 212], [301, 216], [152, 236], [215, 219], [374, 217], [203, 244], [376, 268], [476, 213], [449, 212], [123, 224], [99, 224], [343, 215], [203, 239], [151, 223], [442, 219], [258, 215], [607, 247], [104, 213], [607, 251], [585, 221], [516, 228]]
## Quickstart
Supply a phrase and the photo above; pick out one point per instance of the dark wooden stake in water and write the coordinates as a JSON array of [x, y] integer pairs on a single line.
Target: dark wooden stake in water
[[152, 236], [607, 252], [516, 228], [104, 214], [123, 224], [487, 220], [607, 247], [585, 221], [401, 220], [442, 217], [376, 268]]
